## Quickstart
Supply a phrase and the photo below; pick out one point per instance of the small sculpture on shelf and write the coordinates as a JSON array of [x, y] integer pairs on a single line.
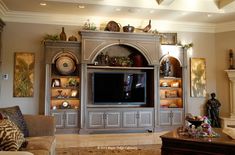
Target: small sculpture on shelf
[[59, 94], [147, 28], [106, 60], [55, 83], [89, 26], [212, 107], [72, 82], [101, 59], [231, 59], [65, 105], [166, 67], [73, 38]]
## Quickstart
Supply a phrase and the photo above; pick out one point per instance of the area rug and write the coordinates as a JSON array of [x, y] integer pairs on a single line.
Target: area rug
[[153, 149]]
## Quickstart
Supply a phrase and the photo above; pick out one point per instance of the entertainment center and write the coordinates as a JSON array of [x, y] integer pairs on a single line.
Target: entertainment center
[[122, 86]]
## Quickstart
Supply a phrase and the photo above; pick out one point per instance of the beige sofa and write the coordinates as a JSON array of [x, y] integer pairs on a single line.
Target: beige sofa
[[41, 140]]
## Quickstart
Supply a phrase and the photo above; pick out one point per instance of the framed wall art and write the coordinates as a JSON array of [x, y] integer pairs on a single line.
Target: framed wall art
[[23, 74], [168, 38], [198, 77]]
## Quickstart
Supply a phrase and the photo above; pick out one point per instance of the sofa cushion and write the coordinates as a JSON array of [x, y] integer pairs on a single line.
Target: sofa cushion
[[15, 115], [11, 138], [43, 145]]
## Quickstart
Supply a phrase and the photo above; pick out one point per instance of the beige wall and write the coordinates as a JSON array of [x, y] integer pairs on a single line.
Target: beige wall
[[203, 47], [224, 41], [20, 37]]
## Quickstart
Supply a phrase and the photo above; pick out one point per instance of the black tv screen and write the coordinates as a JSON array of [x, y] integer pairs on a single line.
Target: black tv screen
[[119, 88]]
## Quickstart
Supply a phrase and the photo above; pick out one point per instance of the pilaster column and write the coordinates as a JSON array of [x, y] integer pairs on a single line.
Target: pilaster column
[[231, 76]]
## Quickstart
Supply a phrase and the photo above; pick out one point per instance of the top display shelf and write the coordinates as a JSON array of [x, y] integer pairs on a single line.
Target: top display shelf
[[119, 67]]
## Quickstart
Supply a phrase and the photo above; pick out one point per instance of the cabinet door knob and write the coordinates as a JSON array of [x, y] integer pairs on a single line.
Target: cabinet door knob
[[105, 116], [138, 115]]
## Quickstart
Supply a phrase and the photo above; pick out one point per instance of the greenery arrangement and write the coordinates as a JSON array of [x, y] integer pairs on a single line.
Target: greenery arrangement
[[185, 46], [52, 37]]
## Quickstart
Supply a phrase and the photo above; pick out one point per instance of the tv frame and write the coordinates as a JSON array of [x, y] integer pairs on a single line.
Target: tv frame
[[128, 103]]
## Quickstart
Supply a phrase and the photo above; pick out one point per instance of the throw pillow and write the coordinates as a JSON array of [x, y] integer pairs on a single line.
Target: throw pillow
[[11, 138], [15, 115]]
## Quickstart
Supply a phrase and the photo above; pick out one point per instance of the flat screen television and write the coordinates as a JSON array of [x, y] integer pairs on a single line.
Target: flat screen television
[[119, 88]]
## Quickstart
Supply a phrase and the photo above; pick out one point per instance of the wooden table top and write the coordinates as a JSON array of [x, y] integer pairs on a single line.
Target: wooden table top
[[222, 139]]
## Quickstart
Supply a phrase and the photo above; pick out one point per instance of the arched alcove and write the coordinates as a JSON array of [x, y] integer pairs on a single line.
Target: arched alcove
[[123, 53], [170, 66]]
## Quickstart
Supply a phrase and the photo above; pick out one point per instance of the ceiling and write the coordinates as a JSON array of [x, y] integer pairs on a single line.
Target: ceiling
[[207, 11], [191, 11]]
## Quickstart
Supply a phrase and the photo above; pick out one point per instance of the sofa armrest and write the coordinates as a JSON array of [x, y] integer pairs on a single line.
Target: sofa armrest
[[15, 153], [40, 125]]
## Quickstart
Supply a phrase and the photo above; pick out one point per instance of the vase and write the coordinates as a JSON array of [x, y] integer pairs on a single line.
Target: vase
[[63, 35], [138, 61]]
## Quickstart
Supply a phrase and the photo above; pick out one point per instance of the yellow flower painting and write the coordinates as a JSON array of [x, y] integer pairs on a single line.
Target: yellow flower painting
[[198, 77]]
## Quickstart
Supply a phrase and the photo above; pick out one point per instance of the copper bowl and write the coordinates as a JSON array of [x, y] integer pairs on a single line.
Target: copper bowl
[[128, 28]]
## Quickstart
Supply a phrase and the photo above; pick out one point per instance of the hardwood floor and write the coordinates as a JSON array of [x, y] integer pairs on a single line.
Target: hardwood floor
[[110, 144]]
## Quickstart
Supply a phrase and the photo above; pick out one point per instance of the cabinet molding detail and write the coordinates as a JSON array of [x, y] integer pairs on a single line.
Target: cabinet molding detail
[[95, 42]]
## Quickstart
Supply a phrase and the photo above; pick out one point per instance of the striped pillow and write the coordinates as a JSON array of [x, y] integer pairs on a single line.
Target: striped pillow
[[15, 115], [11, 138]]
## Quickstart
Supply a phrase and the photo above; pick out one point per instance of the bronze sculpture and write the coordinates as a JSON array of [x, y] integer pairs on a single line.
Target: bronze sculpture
[[212, 106]]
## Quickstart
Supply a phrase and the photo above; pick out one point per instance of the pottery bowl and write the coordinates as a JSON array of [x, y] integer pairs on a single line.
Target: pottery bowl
[[128, 28]]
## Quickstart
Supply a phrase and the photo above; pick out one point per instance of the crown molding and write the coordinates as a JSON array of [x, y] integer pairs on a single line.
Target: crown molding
[[62, 19], [225, 27]]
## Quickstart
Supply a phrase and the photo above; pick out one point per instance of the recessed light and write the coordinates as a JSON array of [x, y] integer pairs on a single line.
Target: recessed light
[[151, 11], [118, 9], [209, 15], [133, 10], [81, 6], [43, 3]]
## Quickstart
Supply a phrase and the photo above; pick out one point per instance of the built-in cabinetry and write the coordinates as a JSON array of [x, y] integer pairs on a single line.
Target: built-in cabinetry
[[153, 90], [66, 118], [62, 96], [172, 87], [128, 54], [171, 117], [117, 118]]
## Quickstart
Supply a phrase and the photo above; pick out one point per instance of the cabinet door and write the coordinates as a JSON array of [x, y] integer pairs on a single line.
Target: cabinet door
[[71, 119], [112, 119], [96, 120], [145, 118], [177, 118], [165, 117], [130, 119], [59, 119]]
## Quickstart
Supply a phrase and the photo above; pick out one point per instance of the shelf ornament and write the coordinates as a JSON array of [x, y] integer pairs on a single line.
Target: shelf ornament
[[185, 46]]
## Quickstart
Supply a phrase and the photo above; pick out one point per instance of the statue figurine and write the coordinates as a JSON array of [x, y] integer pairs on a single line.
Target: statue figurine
[[212, 106], [166, 67], [231, 59]]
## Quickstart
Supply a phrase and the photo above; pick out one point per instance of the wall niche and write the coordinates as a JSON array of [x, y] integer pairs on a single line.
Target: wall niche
[[170, 67], [121, 55]]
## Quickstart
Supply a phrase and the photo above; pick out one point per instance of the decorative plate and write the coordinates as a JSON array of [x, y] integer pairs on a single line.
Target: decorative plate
[[65, 65], [65, 104], [112, 26]]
